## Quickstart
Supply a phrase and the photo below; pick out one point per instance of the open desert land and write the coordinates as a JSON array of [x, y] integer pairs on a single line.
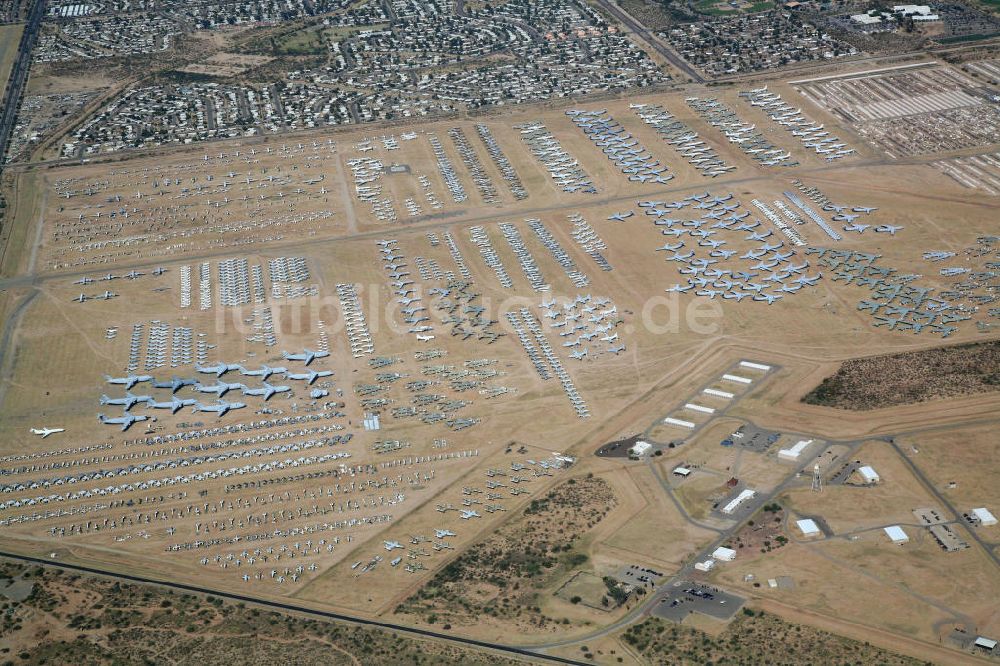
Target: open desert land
[[10, 36], [958, 463], [853, 507], [55, 615], [915, 572], [404, 352]]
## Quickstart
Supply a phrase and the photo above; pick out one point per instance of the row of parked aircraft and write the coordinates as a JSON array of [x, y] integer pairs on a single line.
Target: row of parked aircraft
[[220, 388], [894, 302], [620, 147], [131, 275], [583, 320], [774, 275], [83, 298], [564, 169], [412, 308], [684, 140], [127, 419], [810, 133]]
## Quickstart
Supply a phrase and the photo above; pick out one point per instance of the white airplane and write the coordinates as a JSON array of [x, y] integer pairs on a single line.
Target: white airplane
[[425, 338], [469, 513], [440, 534], [45, 432]]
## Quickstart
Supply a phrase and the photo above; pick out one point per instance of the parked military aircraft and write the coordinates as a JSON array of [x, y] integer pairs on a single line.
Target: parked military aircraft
[[307, 356], [264, 372], [125, 421], [174, 384], [174, 405], [218, 369], [129, 381], [887, 228], [266, 390], [309, 377], [128, 402], [221, 408]]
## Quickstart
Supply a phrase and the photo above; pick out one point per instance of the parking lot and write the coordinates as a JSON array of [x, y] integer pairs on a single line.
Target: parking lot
[[686, 597]]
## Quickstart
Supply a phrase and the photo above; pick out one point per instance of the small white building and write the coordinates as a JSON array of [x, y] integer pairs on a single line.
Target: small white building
[[869, 475], [866, 19], [983, 516], [909, 10], [896, 534], [808, 527], [640, 449], [705, 566], [724, 554], [738, 500], [793, 452], [916, 12], [985, 643], [681, 471]]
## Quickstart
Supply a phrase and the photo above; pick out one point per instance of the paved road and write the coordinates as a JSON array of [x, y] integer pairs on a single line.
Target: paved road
[[19, 76], [650, 38]]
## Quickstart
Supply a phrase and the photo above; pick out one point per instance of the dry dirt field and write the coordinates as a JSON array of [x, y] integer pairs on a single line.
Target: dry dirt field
[[477, 482], [752, 639], [92, 620], [959, 463], [10, 37], [851, 508], [505, 575]]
